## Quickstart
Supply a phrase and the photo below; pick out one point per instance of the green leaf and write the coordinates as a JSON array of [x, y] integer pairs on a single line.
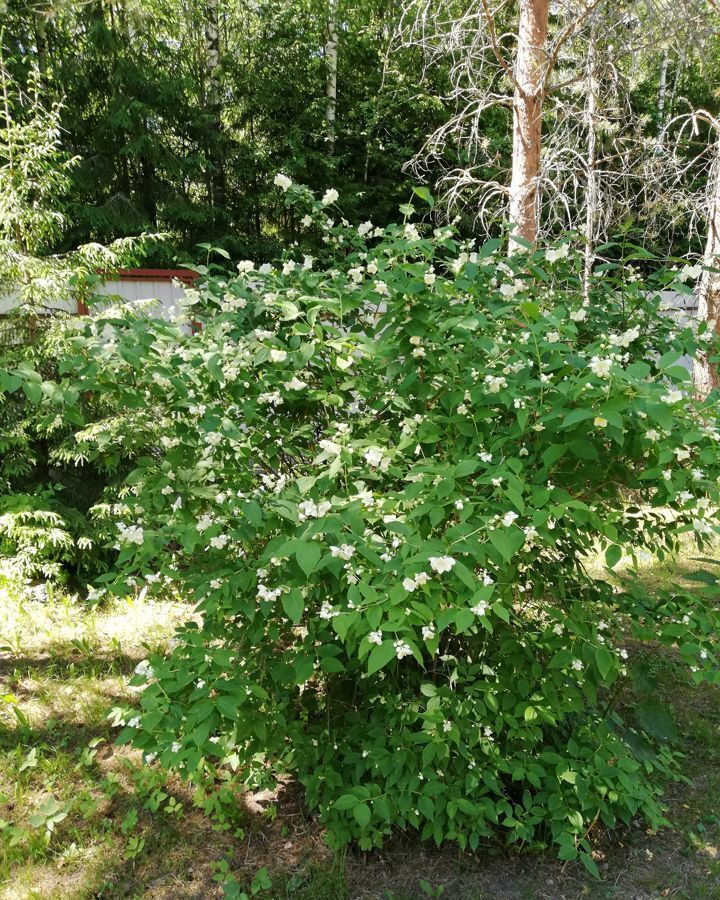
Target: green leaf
[[380, 656], [32, 391], [530, 310], [362, 814], [345, 802], [424, 194], [294, 605], [577, 415], [464, 618], [227, 706], [655, 718], [604, 661], [308, 555], [613, 555], [507, 541]]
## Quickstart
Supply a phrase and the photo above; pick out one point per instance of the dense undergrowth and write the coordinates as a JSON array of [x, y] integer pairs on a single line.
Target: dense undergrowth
[[378, 476]]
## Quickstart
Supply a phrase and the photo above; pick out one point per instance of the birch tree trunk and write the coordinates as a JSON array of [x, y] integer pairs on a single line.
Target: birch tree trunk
[[705, 373], [527, 120], [216, 179], [591, 198], [331, 61]]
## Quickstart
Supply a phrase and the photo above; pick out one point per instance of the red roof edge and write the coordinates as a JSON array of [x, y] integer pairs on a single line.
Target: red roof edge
[[187, 276]]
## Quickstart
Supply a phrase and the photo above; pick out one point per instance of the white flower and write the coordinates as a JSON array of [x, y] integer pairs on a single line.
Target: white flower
[[330, 196], [509, 290], [672, 397], [288, 266], [480, 609], [374, 456], [600, 367], [509, 518], [409, 584], [625, 339], [282, 181], [295, 384], [278, 355], [381, 287], [144, 669], [429, 278], [306, 221], [245, 265], [308, 509], [599, 422], [365, 228], [175, 747], [331, 447], [344, 551], [204, 522], [447, 725], [327, 612], [485, 456], [200, 684], [577, 665], [441, 563], [690, 272], [219, 541], [375, 637], [402, 649], [702, 526], [553, 255], [422, 578], [132, 534], [495, 383], [428, 632], [308, 261], [134, 722], [578, 315]]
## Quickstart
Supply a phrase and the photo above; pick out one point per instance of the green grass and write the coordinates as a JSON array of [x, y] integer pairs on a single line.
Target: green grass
[[121, 829]]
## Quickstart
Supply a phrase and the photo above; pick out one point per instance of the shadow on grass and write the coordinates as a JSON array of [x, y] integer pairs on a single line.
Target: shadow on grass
[[68, 661]]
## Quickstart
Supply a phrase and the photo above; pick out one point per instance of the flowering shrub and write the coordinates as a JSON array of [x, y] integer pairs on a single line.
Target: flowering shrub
[[380, 478]]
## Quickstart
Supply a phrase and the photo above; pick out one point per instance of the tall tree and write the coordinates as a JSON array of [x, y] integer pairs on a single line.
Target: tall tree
[[529, 89], [331, 61], [216, 173]]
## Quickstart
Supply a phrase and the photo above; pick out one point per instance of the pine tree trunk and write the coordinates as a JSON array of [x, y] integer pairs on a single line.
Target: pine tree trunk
[[705, 373], [527, 120], [331, 62]]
